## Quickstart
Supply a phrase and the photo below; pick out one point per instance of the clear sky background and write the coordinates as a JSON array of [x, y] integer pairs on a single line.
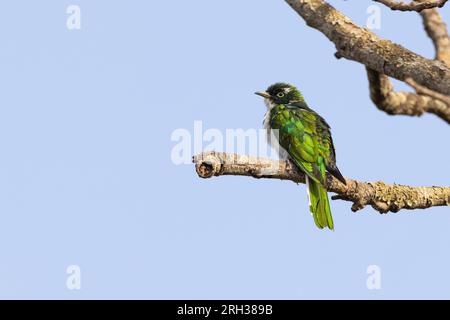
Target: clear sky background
[[86, 176]]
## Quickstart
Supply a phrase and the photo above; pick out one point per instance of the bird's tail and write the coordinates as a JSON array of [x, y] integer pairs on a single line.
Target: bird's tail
[[319, 205]]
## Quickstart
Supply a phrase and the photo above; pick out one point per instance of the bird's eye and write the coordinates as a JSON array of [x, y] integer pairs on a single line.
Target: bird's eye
[[280, 94]]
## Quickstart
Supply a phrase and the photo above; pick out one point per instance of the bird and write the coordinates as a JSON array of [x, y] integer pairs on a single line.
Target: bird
[[304, 137]]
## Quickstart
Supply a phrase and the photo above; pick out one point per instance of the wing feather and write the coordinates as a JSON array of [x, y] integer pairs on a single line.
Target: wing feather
[[298, 135]]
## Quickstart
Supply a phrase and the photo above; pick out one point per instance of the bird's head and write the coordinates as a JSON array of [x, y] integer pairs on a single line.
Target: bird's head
[[281, 93]]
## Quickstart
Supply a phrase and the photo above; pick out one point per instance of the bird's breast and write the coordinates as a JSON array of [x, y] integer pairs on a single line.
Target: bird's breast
[[272, 138]]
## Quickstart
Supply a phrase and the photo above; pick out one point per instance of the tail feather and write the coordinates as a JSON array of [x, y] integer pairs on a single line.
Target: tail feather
[[319, 205]]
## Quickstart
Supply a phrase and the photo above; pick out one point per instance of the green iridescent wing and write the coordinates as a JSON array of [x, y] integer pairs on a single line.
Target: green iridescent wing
[[306, 137]]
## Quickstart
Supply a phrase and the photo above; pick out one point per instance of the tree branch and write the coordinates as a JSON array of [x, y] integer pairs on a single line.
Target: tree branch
[[430, 93], [436, 29], [413, 5], [406, 103], [425, 100], [361, 45], [382, 197]]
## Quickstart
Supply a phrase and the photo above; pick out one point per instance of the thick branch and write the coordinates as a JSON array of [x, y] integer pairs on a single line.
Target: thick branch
[[437, 31], [359, 44], [413, 5], [380, 196], [406, 103]]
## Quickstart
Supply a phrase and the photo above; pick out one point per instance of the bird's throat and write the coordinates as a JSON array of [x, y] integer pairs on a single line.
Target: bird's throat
[[269, 104]]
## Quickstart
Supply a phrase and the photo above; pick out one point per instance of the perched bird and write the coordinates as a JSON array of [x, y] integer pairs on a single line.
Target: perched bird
[[305, 138]]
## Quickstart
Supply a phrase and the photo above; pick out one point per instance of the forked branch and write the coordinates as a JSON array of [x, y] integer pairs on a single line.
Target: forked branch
[[384, 59], [359, 44], [406, 103]]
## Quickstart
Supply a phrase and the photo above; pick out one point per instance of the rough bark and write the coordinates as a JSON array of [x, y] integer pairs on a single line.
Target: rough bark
[[436, 29], [412, 5], [382, 197], [406, 103], [361, 45]]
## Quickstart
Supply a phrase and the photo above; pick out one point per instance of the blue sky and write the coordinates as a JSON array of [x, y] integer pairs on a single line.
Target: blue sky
[[86, 176]]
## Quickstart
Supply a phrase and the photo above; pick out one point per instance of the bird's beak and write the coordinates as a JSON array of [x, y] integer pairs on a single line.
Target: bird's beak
[[263, 94]]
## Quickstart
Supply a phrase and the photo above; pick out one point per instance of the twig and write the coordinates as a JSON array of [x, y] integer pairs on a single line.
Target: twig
[[427, 92]]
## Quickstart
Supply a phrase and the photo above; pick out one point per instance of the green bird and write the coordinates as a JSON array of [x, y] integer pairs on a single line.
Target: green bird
[[304, 137]]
